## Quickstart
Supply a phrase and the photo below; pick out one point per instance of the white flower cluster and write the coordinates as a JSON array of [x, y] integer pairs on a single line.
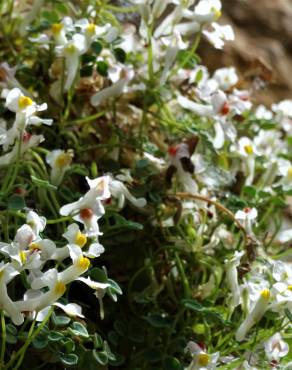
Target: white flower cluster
[[29, 252]]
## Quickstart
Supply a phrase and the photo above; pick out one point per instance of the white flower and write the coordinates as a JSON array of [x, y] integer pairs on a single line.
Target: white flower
[[28, 141], [283, 114], [7, 273], [72, 51], [285, 170], [75, 237], [254, 315], [247, 217], [276, 348], [219, 35], [91, 31], [114, 90], [174, 44], [71, 309], [247, 151], [59, 30], [60, 162], [89, 209], [25, 109], [232, 278], [201, 359], [99, 291], [177, 154], [36, 222], [262, 112], [226, 78], [207, 11]]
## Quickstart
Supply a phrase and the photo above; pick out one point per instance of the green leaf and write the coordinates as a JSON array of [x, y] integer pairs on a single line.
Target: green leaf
[[42, 183], [55, 336], [96, 47], [102, 68], [40, 341], [60, 320], [98, 274], [50, 16], [120, 55], [205, 311], [61, 8], [97, 341], [69, 359], [158, 321], [199, 76], [68, 343], [172, 363], [100, 357], [78, 330], [16, 202]]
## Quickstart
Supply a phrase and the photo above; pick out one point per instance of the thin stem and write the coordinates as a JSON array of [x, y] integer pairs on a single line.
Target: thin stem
[[215, 204], [3, 344], [31, 336]]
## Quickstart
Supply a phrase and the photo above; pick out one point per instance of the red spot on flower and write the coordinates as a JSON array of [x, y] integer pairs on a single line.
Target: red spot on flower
[[274, 363], [26, 137], [202, 345], [172, 150], [86, 213], [20, 191], [108, 200], [247, 210], [225, 109]]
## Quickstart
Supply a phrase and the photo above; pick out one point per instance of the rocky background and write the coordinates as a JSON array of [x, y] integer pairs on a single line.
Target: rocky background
[[262, 51]]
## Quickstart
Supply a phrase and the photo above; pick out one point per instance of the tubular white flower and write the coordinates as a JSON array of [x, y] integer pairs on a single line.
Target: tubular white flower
[[232, 278], [99, 291], [89, 208], [7, 273], [43, 300], [60, 162], [247, 217], [114, 90], [254, 316], [72, 51]]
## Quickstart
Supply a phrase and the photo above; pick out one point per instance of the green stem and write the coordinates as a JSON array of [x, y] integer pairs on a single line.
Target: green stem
[[185, 282], [3, 344], [31, 336]]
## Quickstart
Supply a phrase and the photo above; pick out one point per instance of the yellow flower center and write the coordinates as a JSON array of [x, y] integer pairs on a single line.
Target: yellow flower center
[[22, 257], [203, 359], [289, 173], [35, 247], [71, 49], [289, 288], [216, 12], [57, 27], [90, 28], [248, 149], [63, 160], [80, 239], [265, 293], [83, 263], [60, 288], [24, 102]]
